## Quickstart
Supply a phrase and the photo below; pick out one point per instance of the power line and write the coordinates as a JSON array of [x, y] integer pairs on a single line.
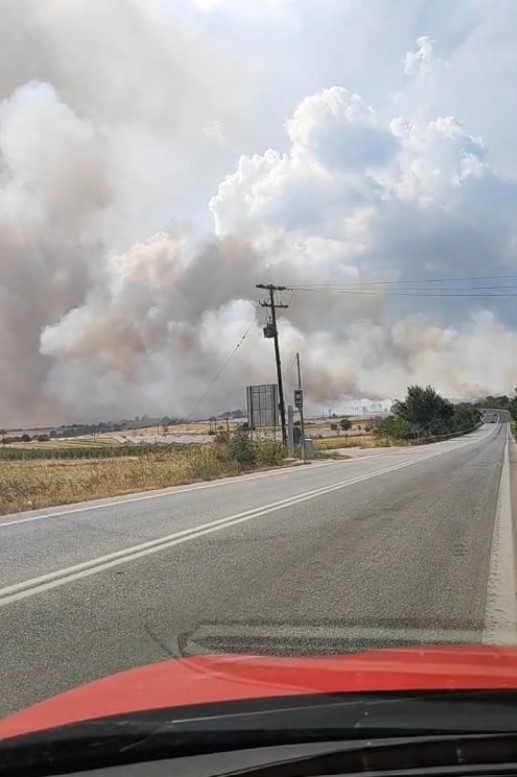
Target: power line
[[212, 382], [412, 292], [338, 289], [222, 368], [220, 371], [300, 286]]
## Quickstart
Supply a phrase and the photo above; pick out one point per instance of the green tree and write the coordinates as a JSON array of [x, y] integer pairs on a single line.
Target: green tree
[[345, 424], [500, 402], [466, 416], [512, 406], [425, 410], [394, 426]]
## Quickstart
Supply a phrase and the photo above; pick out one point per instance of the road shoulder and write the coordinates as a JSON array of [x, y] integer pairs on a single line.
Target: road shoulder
[[512, 452]]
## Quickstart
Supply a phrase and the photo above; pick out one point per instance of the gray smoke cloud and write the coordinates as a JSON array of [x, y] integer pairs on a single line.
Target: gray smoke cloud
[[124, 286]]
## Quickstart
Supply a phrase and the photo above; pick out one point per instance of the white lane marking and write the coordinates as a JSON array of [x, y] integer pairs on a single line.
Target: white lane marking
[[115, 501], [26, 588], [500, 626]]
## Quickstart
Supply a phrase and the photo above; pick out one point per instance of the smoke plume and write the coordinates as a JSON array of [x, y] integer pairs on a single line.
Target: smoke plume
[[136, 219]]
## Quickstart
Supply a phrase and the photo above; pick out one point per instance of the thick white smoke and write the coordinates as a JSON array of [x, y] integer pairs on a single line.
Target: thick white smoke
[[115, 299]]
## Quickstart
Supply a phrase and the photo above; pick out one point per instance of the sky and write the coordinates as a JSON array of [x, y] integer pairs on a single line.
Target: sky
[[159, 158]]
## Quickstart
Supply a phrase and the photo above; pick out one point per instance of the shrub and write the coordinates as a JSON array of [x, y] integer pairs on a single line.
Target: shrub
[[269, 452], [242, 449]]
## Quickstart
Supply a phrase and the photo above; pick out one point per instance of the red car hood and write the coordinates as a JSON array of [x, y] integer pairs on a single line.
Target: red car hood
[[228, 678]]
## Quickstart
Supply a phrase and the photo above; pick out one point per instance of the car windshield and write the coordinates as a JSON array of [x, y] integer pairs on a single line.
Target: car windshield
[[258, 348]]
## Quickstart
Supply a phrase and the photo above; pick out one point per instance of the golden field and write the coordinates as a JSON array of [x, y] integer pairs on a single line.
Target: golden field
[[75, 442], [357, 441], [29, 485], [194, 427]]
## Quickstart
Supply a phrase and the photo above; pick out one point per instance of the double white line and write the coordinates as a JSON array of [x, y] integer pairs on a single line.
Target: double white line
[[14, 593]]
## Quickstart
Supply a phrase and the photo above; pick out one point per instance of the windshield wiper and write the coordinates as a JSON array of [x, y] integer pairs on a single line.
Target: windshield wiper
[[256, 723], [497, 753]]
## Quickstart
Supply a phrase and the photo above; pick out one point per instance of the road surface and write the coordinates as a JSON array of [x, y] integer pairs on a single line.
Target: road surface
[[390, 548]]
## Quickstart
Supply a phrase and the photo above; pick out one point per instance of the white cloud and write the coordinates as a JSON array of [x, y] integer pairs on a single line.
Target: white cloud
[[240, 8], [339, 131], [421, 58]]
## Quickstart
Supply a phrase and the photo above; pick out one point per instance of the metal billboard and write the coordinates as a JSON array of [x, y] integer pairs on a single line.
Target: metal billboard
[[262, 403]]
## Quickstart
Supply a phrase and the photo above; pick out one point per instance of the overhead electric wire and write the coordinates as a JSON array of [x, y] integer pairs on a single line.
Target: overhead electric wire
[[212, 382], [417, 287], [300, 286], [359, 287], [220, 370], [461, 290], [410, 292]]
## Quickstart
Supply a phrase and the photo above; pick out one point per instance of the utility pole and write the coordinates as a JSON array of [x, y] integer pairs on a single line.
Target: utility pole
[[274, 306], [302, 421]]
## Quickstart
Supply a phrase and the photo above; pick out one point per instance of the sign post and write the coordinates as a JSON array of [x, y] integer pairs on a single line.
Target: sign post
[[298, 401], [262, 402], [290, 431]]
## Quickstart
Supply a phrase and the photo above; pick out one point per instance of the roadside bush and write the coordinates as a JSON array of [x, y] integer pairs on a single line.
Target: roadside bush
[[238, 449], [465, 417], [269, 452], [242, 449], [395, 427]]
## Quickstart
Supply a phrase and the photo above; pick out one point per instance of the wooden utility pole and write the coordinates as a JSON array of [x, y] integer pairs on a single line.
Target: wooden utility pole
[[273, 332]]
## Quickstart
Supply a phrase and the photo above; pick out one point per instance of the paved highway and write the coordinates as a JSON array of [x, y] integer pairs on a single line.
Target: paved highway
[[413, 545]]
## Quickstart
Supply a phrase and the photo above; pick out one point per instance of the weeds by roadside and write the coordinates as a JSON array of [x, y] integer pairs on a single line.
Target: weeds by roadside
[[364, 441], [333, 455], [35, 483]]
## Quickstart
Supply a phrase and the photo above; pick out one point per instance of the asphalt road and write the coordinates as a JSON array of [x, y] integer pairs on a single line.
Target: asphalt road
[[387, 549]]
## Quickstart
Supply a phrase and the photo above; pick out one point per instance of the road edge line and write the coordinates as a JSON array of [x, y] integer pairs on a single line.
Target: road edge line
[[500, 622]]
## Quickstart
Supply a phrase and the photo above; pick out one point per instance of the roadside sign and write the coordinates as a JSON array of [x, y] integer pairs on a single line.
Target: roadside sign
[[262, 404]]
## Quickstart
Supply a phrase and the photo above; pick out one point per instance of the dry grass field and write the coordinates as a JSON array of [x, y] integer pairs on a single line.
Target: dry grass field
[[195, 427], [62, 478], [28, 485], [75, 442], [362, 441]]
